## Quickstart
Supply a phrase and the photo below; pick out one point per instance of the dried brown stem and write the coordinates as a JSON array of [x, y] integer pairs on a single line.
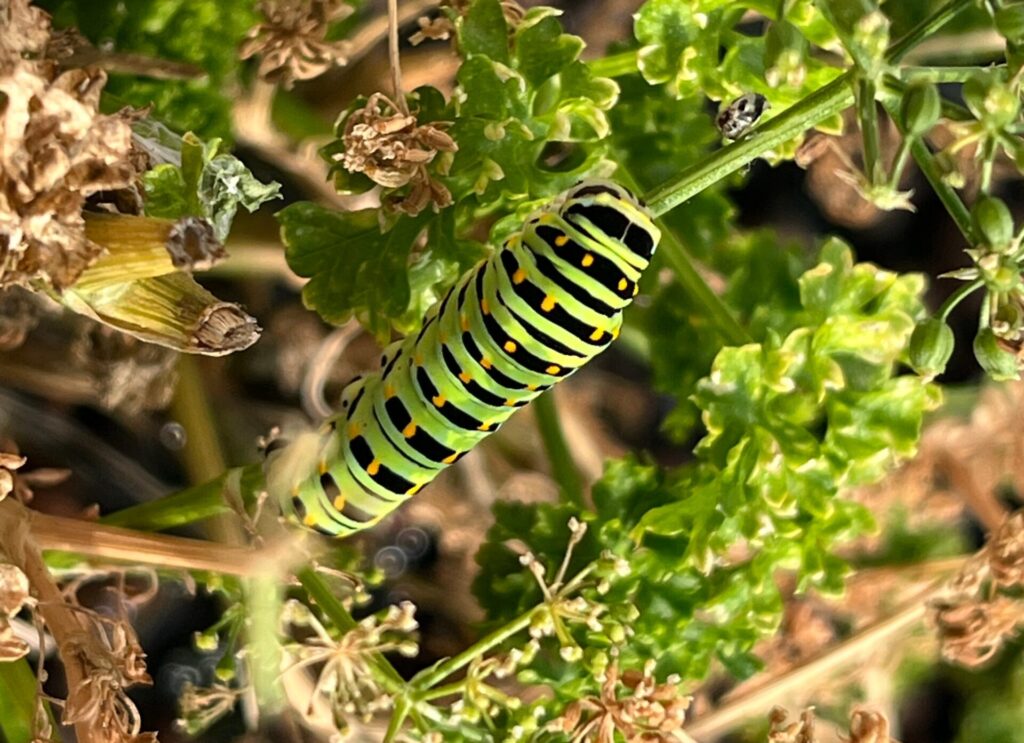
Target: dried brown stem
[[806, 676], [393, 56], [64, 622], [159, 550]]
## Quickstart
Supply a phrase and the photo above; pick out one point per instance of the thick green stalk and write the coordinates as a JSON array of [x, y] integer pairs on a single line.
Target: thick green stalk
[[614, 65], [563, 468]]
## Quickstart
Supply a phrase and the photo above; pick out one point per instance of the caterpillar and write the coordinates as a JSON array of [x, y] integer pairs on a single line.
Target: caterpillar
[[519, 321]]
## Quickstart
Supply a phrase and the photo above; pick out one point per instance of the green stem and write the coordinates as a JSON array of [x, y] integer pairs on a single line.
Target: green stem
[[614, 65], [957, 297], [867, 116], [947, 195], [941, 73], [562, 465], [186, 506], [900, 162], [17, 701], [385, 673], [819, 105], [689, 278], [430, 677]]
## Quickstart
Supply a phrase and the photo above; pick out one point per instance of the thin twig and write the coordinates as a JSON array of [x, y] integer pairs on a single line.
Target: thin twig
[[393, 57], [809, 674]]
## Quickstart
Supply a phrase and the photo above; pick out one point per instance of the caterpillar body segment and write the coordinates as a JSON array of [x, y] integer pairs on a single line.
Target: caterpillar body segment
[[518, 322]]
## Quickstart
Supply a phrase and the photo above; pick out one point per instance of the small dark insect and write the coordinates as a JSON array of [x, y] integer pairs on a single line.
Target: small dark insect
[[736, 119]]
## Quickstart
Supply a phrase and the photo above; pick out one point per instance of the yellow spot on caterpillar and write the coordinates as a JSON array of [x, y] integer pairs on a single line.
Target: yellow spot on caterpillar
[[485, 426], [465, 377], [374, 467], [588, 260], [295, 490], [510, 346], [615, 334], [451, 459], [389, 390], [353, 429], [443, 337], [519, 276], [484, 307], [548, 304], [418, 358], [485, 363], [322, 467], [439, 401], [531, 387], [561, 240], [310, 520], [339, 502], [464, 321], [636, 289], [414, 489], [622, 285], [546, 218], [409, 431], [510, 403], [553, 369], [597, 335]]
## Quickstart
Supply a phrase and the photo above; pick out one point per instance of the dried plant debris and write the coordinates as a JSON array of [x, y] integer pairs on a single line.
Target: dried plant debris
[[13, 596], [292, 42], [981, 608], [128, 375], [441, 28], [389, 146], [865, 727], [631, 703], [21, 484]]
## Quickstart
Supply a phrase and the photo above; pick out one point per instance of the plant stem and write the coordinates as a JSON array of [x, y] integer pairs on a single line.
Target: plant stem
[[808, 675], [430, 677], [822, 103], [340, 617], [958, 296], [563, 468], [689, 278], [614, 65], [393, 55], [867, 116], [17, 701]]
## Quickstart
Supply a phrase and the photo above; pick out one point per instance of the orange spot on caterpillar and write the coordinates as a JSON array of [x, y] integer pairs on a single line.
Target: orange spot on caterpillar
[[485, 363], [485, 426], [374, 467], [389, 390], [622, 285], [339, 502], [553, 369], [409, 431], [636, 289], [548, 304], [464, 321], [310, 520], [510, 346], [597, 335], [588, 260], [465, 377], [519, 276], [451, 459], [510, 403], [561, 240], [484, 307], [439, 401]]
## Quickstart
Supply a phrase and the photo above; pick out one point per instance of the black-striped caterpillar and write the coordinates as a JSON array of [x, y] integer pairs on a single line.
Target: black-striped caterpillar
[[528, 316]]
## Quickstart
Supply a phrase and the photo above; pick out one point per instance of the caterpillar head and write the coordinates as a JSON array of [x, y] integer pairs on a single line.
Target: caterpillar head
[[598, 186]]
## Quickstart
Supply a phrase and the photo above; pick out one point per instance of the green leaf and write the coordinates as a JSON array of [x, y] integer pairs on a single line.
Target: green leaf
[[351, 266], [208, 183], [542, 50], [483, 30]]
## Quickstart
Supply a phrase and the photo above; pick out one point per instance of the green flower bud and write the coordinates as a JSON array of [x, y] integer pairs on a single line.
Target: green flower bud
[[931, 345], [997, 362], [207, 641], [990, 99], [920, 108], [1010, 22], [992, 222]]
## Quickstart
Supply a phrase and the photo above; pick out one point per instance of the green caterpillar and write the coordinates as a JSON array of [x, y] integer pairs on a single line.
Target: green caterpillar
[[528, 316]]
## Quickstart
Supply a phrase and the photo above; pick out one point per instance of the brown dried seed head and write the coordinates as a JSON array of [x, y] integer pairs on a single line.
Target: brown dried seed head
[[1006, 552], [869, 727], [13, 589]]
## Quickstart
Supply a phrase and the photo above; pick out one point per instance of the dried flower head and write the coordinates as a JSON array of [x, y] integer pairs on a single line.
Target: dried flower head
[[55, 150], [632, 703], [1005, 552], [292, 41], [780, 730], [203, 706], [13, 595], [972, 632], [26, 32], [442, 28], [345, 677], [869, 727], [388, 146]]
